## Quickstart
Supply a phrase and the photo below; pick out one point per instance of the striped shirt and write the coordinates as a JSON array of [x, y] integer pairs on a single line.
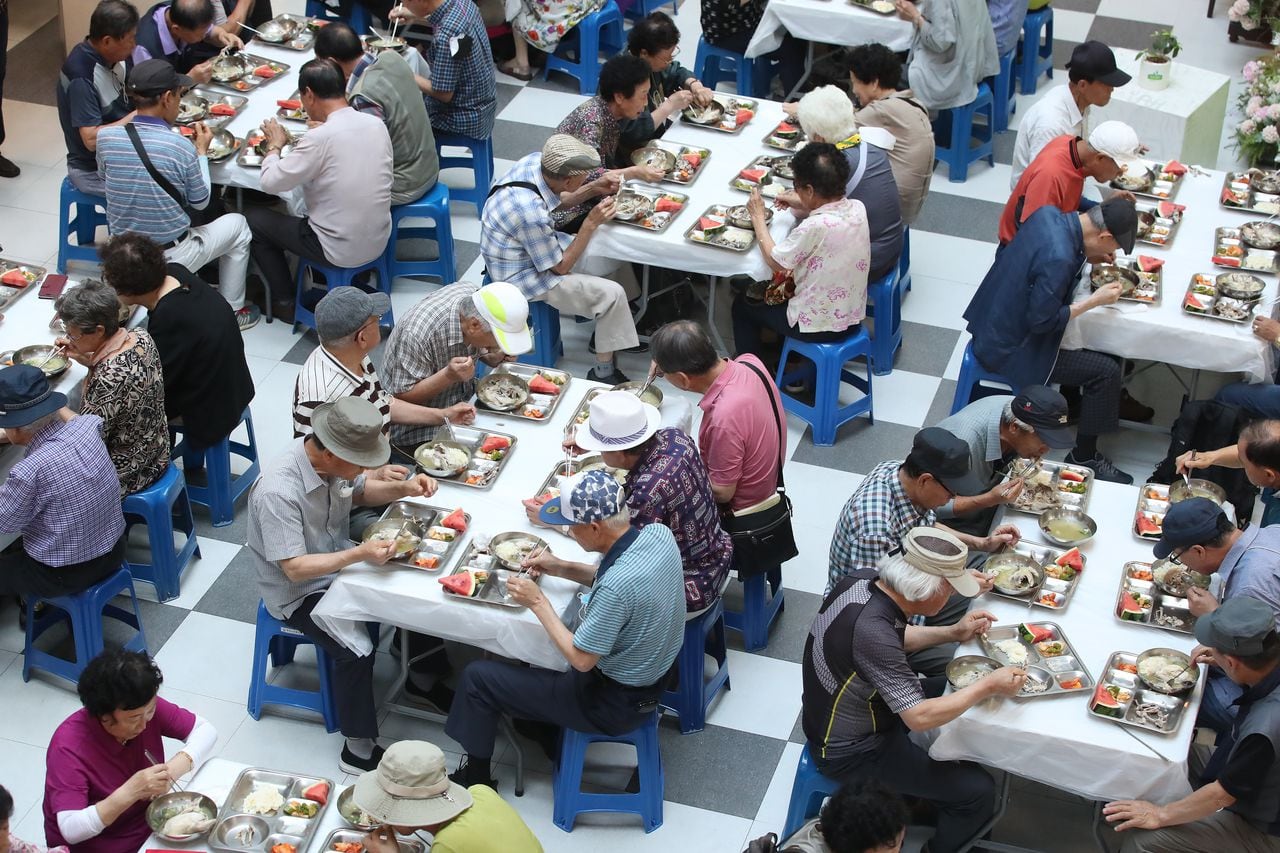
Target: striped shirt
[[856, 675], [634, 615], [421, 345], [873, 520], [135, 202], [63, 496], [324, 379], [518, 240]]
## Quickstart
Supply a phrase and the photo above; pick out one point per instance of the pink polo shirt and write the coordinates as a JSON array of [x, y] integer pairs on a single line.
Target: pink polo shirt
[[84, 765], [738, 438]]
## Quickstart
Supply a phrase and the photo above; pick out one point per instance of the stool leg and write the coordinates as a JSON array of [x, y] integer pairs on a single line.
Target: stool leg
[[258, 677], [652, 782], [568, 779], [218, 461], [960, 132], [826, 398]]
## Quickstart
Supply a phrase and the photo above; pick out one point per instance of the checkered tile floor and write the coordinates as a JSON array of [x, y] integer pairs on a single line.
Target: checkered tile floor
[[731, 782]]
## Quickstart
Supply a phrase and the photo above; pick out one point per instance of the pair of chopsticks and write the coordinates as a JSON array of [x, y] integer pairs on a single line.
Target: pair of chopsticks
[[173, 783], [48, 358], [536, 553]]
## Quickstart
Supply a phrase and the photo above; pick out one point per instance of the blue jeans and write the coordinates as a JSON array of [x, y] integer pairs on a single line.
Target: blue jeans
[[1259, 400], [1216, 710]]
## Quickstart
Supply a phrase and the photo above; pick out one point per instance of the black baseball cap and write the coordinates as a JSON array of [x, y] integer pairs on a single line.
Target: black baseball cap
[[1239, 626], [155, 77], [938, 452], [1093, 60], [1190, 522], [1121, 218], [1045, 409]]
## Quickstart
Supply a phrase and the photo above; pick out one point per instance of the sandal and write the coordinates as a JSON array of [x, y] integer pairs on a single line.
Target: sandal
[[513, 70]]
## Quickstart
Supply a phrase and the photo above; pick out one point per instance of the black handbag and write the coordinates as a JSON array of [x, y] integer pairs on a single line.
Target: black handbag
[[765, 535]]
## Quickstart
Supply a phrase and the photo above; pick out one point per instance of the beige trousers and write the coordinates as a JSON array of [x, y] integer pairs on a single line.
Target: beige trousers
[[1223, 831], [601, 299]]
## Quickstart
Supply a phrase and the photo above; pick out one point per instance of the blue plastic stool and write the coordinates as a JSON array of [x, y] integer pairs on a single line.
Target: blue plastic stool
[[84, 224], [703, 634], [547, 346], [643, 8], [762, 601], [971, 374], [278, 641], [808, 790], [711, 66], [480, 163], [884, 303], [222, 491], [826, 371], [904, 261], [157, 506], [601, 30], [85, 610], [434, 206], [1037, 55], [360, 18], [1005, 93], [954, 130], [337, 277], [571, 801]]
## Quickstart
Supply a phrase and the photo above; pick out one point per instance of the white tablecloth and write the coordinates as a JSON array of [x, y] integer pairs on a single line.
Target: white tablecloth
[[829, 22], [1183, 121], [1166, 333], [1056, 740], [411, 598]]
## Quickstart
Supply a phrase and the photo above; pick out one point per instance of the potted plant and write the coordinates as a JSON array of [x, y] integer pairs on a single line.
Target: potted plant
[[1156, 67]]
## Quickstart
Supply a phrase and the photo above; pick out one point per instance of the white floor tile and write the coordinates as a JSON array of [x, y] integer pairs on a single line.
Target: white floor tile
[[42, 194], [272, 409], [543, 107], [957, 356], [270, 340], [986, 183], [34, 135], [902, 397], [22, 773], [937, 301], [765, 697], [818, 494], [7, 659], [772, 816], [303, 746], [808, 571], [28, 236], [201, 638], [200, 575], [12, 639], [224, 716], [947, 258], [260, 366], [33, 710], [1074, 26]]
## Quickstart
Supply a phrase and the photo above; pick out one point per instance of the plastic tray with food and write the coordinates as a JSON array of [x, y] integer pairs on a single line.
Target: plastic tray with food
[[270, 811], [1044, 574], [771, 175], [1151, 180], [788, 136], [1052, 665], [244, 72], [1231, 250], [482, 575], [680, 164], [1253, 190], [1050, 484], [426, 536], [291, 32], [18, 275], [343, 840], [1158, 222], [471, 457], [1146, 596], [213, 108], [1123, 696], [643, 206], [714, 228], [1139, 278], [522, 391], [1211, 296], [725, 113]]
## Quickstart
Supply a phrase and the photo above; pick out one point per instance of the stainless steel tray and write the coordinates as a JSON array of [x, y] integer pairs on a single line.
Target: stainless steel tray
[[656, 221], [235, 825], [424, 519], [1156, 608], [1210, 303], [585, 462], [251, 81], [408, 844], [1064, 666], [1163, 188], [545, 403], [728, 122], [1248, 260], [485, 468], [771, 185], [1062, 590], [682, 175], [1160, 227], [1239, 193], [303, 41], [1150, 287], [493, 591], [31, 272], [732, 238], [1128, 684], [584, 408], [1063, 497], [880, 7], [249, 156], [1153, 503], [789, 145], [236, 102], [298, 116]]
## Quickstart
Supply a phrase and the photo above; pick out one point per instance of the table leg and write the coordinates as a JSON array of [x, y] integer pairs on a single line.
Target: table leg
[[509, 730], [808, 70], [644, 294]]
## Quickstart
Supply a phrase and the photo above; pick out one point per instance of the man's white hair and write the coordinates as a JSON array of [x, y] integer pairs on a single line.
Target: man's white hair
[[621, 518], [827, 112], [906, 580], [1008, 417]]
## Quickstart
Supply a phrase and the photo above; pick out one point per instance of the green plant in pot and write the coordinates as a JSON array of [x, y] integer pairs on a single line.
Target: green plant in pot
[[1156, 68]]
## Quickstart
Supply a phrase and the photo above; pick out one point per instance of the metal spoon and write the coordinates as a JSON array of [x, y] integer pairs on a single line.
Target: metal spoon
[[647, 382]]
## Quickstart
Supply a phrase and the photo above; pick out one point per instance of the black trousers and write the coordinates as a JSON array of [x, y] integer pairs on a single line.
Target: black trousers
[[353, 693], [24, 575], [790, 55], [1100, 378], [750, 317], [4, 58], [274, 234], [583, 701]]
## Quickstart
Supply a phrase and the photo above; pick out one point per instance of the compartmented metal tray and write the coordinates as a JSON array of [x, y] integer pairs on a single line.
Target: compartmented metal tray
[[1158, 222], [1162, 186], [238, 830], [249, 156], [732, 238], [682, 170], [1148, 518], [1133, 697], [880, 7], [1050, 662], [211, 97], [421, 521], [1242, 191], [585, 462], [1050, 490], [298, 116], [786, 143], [728, 121], [343, 835], [546, 404], [584, 408], [772, 183], [31, 273], [1198, 302], [304, 39], [1149, 288], [249, 81], [1054, 593], [493, 590], [1140, 602], [482, 469], [646, 216], [1232, 252]]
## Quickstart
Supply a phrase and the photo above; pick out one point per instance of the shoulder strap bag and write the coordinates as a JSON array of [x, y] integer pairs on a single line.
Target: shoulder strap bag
[[160, 179], [766, 535]]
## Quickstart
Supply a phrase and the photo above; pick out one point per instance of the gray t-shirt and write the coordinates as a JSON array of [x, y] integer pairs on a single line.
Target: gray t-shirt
[[878, 192]]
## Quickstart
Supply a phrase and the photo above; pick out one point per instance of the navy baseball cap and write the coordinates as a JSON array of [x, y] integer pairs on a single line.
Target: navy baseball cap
[[25, 396], [591, 496], [938, 452], [1190, 522], [1045, 409], [1239, 626], [1093, 60]]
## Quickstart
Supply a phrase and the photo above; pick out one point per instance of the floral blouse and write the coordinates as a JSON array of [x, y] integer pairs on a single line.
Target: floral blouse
[[592, 124], [127, 392], [542, 23], [16, 844], [828, 254]]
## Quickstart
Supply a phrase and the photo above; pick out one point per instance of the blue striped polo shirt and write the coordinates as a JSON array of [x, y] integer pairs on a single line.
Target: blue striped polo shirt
[[135, 202]]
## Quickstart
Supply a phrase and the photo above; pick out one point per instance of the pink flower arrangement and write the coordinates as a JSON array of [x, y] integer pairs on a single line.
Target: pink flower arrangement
[[1257, 134], [1251, 14]]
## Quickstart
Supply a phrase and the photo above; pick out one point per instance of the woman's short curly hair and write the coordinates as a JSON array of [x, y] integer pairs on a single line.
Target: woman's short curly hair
[[862, 817], [118, 680]]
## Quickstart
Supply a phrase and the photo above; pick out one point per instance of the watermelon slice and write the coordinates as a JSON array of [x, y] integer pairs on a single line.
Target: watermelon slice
[[289, 105], [1073, 476], [1106, 704], [188, 132], [1149, 264], [456, 520], [1147, 527], [1169, 210], [266, 72], [741, 117], [1173, 167], [495, 442], [784, 127], [1193, 303], [1072, 558], [222, 110], [539, 385], [710, 223], [462, 583], [1226, 261], [14, 278], [1035, 633], [693, 158], [1130, 609], [319, 793], [667, 205], [755, 176]]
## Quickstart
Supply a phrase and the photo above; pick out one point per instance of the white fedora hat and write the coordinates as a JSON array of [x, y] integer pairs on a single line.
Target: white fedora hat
[[617, 420]]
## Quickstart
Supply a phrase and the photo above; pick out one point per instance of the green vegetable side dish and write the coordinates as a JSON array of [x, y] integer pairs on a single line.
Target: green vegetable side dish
[[1073, 488], [301, 808]]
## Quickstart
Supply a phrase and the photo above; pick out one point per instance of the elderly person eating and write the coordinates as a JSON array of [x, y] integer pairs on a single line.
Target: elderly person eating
[[672, 87], [125, 386], [952, 51], [862, 699], [823, 263], [105, 762]]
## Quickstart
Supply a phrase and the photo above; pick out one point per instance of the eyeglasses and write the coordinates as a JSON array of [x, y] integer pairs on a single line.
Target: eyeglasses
[[83, 334], [1175, 557]]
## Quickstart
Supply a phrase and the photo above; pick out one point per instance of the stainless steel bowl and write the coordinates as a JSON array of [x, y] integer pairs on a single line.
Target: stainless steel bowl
[[1266, 182], [231, 66], [1181, 490], [631, 206], [350, 812], [37, 353], [1037, 676], [1068, 513], [1260, 235], [222, 146], [156, 817], [997, 563], [965, 664], [652, 155], [279, 30], [1103, 274], [423, 457], [652, 394], [507, 537], [1240, 285], [192, 107], [1192, 673], [1146, 221], [484, 386], [241, 832], [740, 217], [1135, 179], [712, 113], [405, 545], [377, 45]]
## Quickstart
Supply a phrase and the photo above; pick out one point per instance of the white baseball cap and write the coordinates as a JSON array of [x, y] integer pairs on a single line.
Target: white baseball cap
[[505, 309], [1118, 141]]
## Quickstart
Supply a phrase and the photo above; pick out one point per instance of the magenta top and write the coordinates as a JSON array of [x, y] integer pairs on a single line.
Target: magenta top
[[84, 765]]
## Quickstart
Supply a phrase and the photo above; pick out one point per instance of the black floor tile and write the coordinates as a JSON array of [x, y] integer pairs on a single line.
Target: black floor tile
[[1114, 32], [945, 213], [925, 349], [859, 446], [720, 769], [797, 731], [235, 594], [237, 531], [789, 631], [513, 140], [302, 350], [942, 400]]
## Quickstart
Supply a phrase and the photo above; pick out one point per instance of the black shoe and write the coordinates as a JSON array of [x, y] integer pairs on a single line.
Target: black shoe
[[545, 735], [8, 168], [1134, 410], [466, 778], [639, 348], [439, 698], [615, 377], [352, 763], [1103, 468]]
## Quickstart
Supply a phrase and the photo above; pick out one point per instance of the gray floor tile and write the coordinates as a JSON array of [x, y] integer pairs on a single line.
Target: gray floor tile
[[859, 446], [464, 254], [237, 531], [234, 595], [158, 620], [1117, 33], [942, 400], [1061, 56], [1024, 824], [925, 349], [506, 92], [1004, 146], [957, 216], [1089, 6], [306, 344], [513, 140], [797, 731], [788, 633], [718, 768]]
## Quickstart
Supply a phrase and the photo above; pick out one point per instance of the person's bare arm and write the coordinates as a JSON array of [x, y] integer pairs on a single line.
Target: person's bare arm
[[932, 713], [1225, 457], [548, 563], [310, 566], [724, 494], [573, 252], [1140, 814]]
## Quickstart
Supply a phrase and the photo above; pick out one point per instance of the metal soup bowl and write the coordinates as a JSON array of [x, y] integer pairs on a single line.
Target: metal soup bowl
[[740, 217], [1135, 180], [412, 534], [965, 664], [1161, 687], [631, 206], [37, 353], [1181, 490], [1103, 274], [1089, 526], [652, 155], [1260, 235], [483, 392], [712, 113], [997, 563], [350, 812], [192, 107], [652, 394], [222, 146], [538, 542], [423, 457], [161, 804], [1240, 285]]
